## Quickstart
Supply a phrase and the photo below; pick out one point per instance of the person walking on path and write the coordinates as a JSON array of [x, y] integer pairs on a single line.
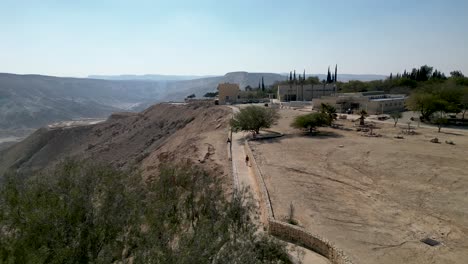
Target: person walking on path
[[247, 160]]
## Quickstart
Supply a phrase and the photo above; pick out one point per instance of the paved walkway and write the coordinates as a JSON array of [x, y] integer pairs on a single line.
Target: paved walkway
[[244, 173]]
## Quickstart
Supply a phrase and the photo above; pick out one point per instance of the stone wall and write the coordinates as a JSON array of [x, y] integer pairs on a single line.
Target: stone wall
[[289, 232], [304, 238]]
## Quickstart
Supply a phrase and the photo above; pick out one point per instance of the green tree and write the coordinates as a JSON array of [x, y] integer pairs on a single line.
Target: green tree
[[439, 119], [263, 85], [464, 103], [336, 73], [313, 80], [254, 118], [209, 94], [395, 116], [191, 96], [436, 97], [311, 121], [425, 103], [329, 110], [456, 74]]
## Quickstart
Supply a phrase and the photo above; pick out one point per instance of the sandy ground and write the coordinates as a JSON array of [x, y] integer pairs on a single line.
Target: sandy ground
[[244, 178], [375, 198]]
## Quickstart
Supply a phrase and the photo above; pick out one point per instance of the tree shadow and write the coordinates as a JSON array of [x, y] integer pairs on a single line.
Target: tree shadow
[[451, 133], [316, 134]]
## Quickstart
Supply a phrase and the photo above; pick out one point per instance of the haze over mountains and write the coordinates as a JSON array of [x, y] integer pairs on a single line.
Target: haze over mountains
[[149, 77], [33, 101], [162, 77]]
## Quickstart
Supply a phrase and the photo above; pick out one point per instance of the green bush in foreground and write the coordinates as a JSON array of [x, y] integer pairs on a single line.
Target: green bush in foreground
[[80, 213]]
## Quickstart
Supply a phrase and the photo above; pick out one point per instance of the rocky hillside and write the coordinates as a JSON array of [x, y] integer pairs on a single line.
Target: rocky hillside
[[33, 100], [163, 132]]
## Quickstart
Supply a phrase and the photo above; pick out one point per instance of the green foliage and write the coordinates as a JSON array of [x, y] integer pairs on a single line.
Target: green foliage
[[80, 213], [263, 85], [395, 116], [210, 95], [464, 102], [310, 80], [191, 96], [329, 110], [311, 121], [406, 82], [75, 214], [432, 98], [425, 103], [456, 74], [439, 119], [253, 118]]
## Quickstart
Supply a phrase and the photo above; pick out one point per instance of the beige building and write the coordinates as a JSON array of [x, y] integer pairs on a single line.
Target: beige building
[[373, 102], [306, 92], [228, 93]]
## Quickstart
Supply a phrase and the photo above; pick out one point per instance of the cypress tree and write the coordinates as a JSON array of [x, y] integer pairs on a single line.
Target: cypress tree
[[391, 76], [336, 72], [294, 75], [263, 85], [328, 76], [290, 76], [304, 78]]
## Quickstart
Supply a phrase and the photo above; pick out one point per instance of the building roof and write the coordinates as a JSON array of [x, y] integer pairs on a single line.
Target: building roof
[[386, 99]]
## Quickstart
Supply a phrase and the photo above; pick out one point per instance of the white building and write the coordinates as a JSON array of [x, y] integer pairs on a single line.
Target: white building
[[304, 92], [373, 102]]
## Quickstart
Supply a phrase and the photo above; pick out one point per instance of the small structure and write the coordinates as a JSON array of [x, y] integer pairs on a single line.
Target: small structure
[[229, 93], [373, 102], [304, 92]]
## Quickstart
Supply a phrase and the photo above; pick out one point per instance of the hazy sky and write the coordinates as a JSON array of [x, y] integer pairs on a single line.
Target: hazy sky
[[77, 38]]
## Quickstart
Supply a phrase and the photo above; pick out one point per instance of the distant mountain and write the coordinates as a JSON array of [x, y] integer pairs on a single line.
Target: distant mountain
[[178, 90], [31, 101], [349, 77], [28, 101], [148, 77]]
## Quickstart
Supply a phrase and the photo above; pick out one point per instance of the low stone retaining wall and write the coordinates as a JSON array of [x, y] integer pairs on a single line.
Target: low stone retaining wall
[[304, 238], [289, 232]]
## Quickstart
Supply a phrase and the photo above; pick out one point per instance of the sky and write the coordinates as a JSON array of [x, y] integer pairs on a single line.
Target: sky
[[213, 37]]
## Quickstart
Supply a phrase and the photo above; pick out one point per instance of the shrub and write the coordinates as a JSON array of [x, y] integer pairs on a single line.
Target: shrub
[[81, 213], [254, 118], [311, 121]]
